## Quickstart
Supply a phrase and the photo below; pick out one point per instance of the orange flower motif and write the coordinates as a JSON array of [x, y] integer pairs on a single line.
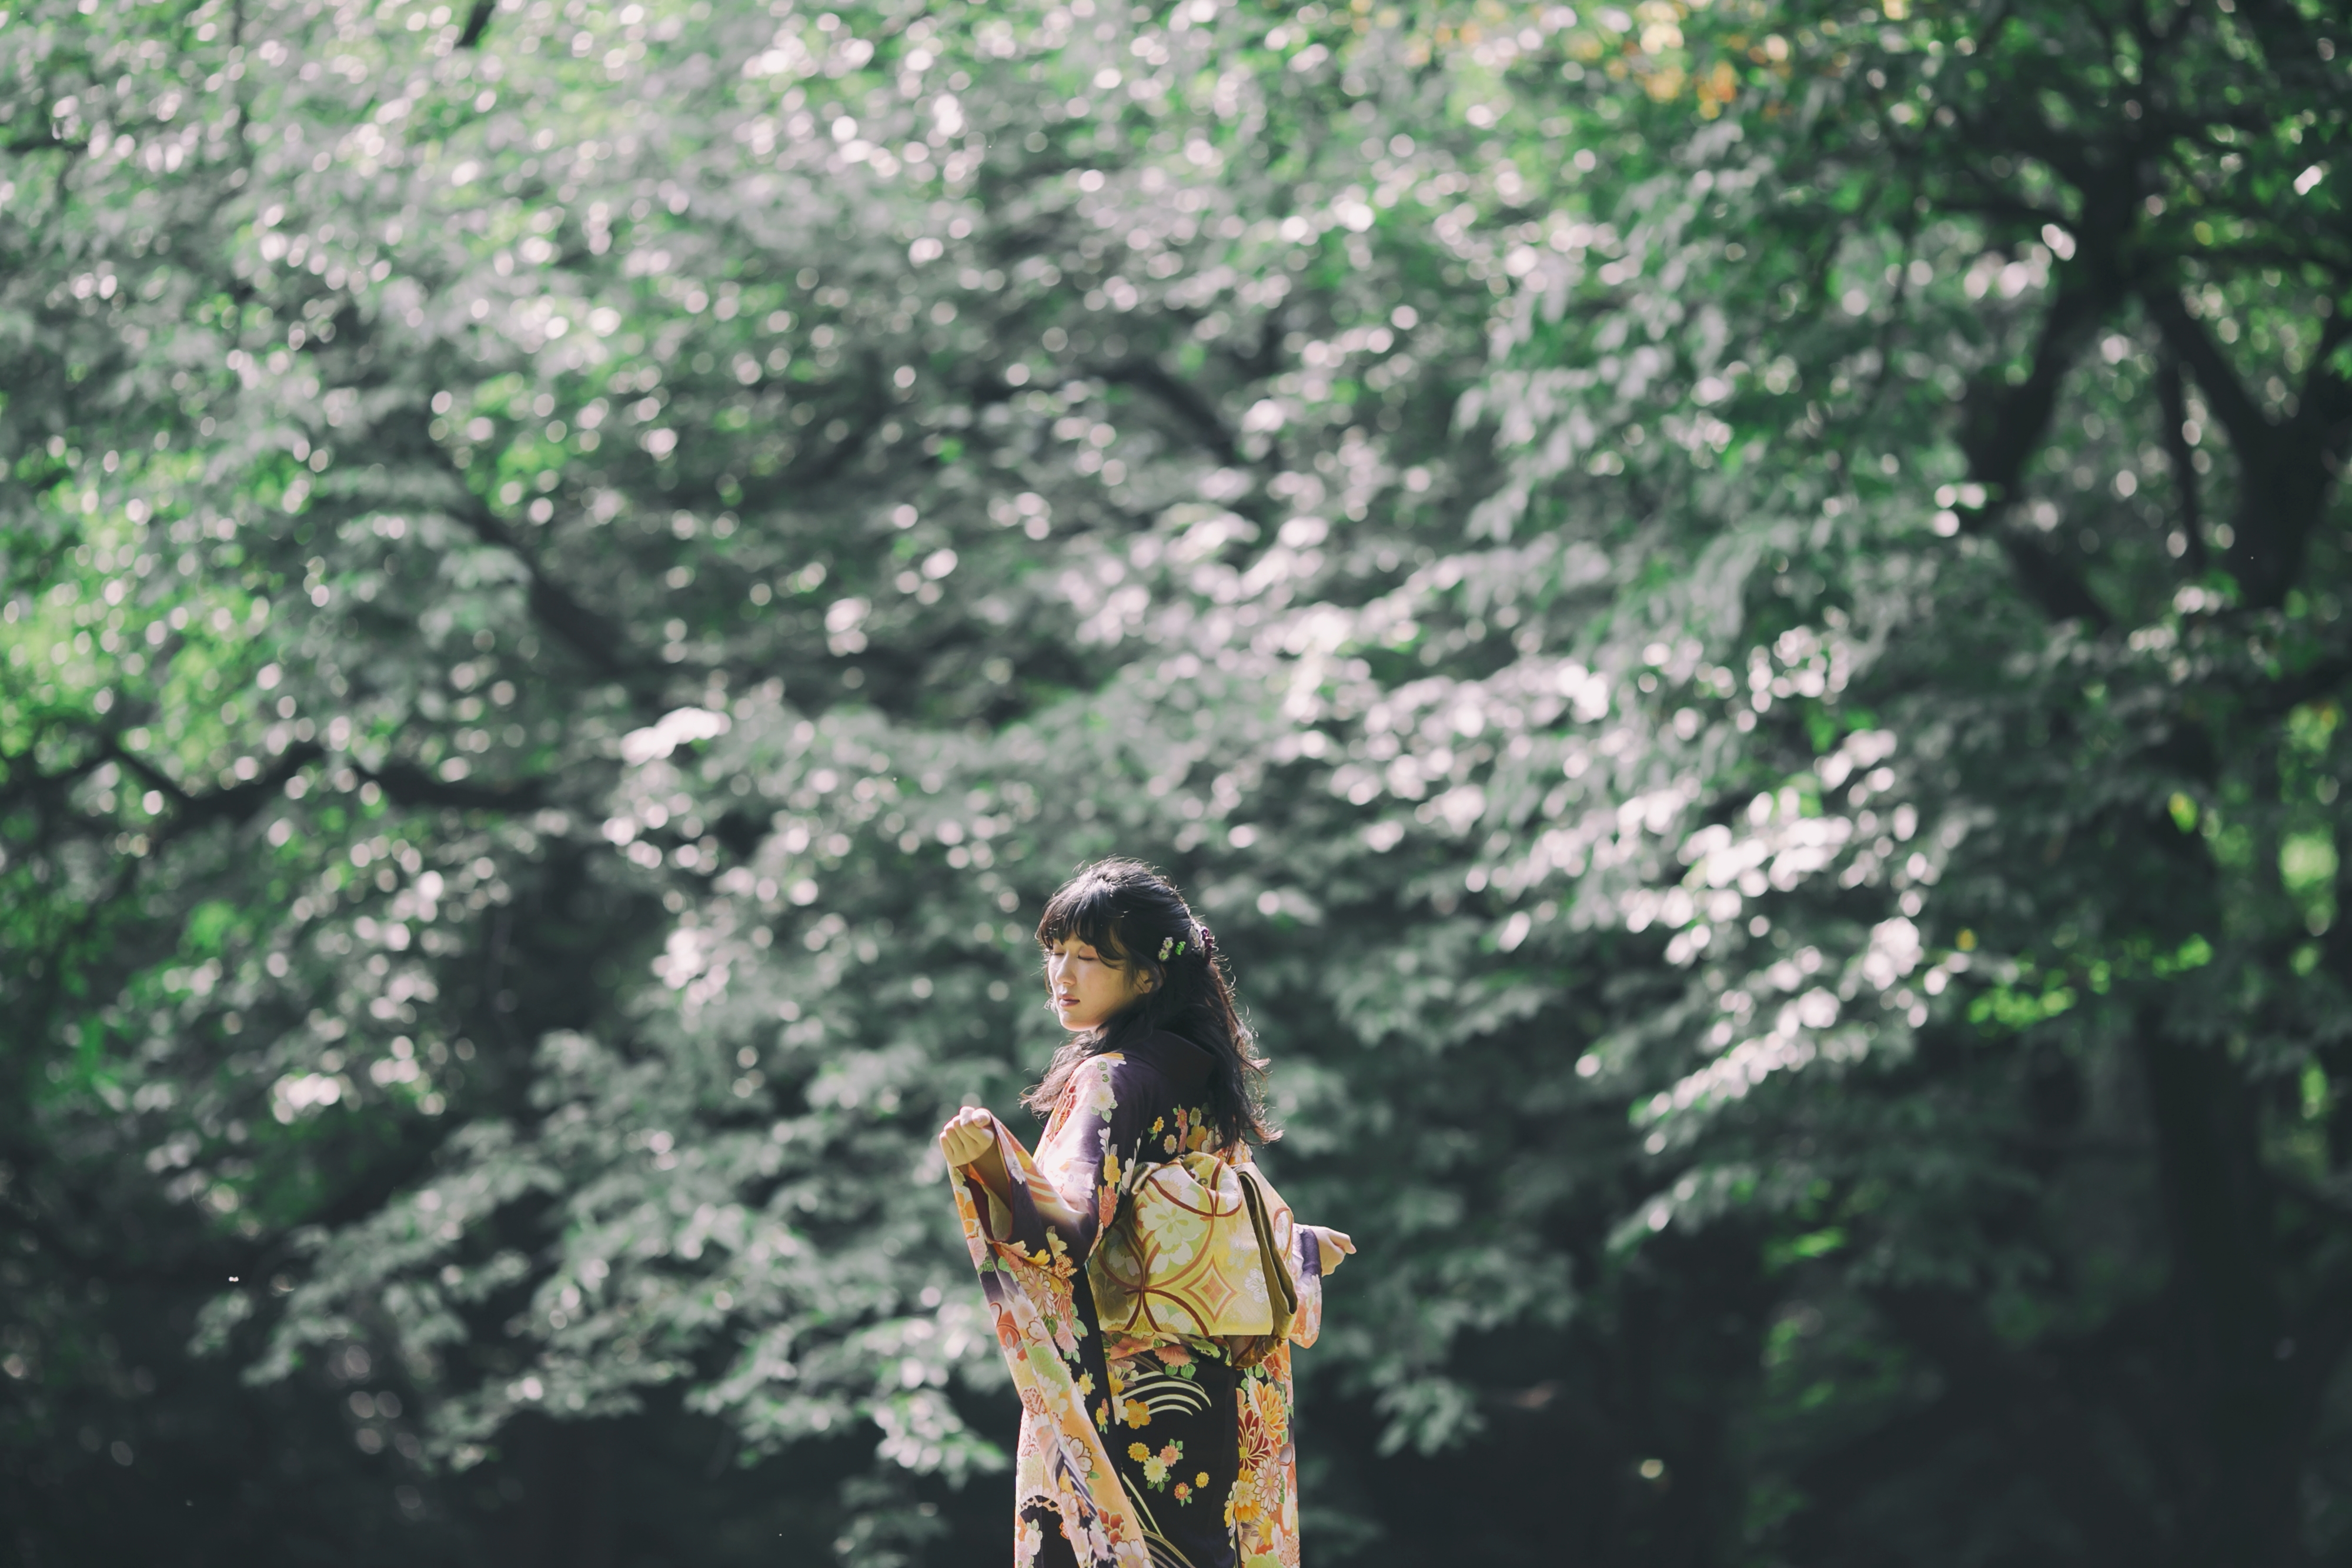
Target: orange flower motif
[[1261, 1436]]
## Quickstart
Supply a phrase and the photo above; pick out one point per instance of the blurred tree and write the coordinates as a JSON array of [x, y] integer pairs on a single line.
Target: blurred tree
[[576, 574]]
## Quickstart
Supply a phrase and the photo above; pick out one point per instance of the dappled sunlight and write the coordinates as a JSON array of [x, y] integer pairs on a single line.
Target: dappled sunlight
[[1735, 611]]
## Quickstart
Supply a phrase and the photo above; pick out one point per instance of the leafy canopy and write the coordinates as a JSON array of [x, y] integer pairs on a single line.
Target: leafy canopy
[[1736, 613]]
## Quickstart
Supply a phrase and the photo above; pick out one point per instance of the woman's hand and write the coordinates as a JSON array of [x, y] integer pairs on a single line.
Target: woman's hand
[[968, 1141], [1332, 1246], [969, 1134]]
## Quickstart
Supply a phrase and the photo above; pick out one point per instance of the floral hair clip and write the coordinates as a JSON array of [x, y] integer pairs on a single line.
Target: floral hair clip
[[1176, 947]]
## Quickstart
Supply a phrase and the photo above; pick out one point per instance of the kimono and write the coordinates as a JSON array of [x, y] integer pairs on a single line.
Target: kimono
[[1165, 1440]]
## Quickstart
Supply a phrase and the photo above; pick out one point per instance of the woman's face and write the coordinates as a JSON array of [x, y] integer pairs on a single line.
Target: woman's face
[[1087, 985]]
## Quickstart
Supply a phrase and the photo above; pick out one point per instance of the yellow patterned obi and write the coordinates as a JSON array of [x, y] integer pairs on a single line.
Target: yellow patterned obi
[[1203, 1249]]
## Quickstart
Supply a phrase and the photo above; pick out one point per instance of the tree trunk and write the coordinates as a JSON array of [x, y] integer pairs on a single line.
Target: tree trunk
[[2226, 1316]]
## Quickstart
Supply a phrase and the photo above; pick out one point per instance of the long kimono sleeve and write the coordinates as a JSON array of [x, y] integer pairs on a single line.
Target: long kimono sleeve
[[1064, 1196], [1030, 1246], [1307, 1269]]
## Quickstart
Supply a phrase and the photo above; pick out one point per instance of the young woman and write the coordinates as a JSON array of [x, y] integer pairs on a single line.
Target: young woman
[[1146, 1283]]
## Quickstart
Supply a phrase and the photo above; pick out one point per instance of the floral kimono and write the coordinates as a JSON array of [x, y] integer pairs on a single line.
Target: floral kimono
[[1163, 1440]]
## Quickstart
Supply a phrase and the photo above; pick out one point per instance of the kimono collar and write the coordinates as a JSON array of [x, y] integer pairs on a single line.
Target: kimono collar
[[1183, 1063]]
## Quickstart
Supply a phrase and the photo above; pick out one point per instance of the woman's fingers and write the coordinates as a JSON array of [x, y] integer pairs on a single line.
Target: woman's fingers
[[967, 1136]]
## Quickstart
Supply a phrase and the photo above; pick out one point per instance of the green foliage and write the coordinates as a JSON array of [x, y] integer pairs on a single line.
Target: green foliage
[[1735, 613]]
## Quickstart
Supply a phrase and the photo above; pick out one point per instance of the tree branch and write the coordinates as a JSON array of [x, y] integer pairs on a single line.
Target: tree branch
[[2002, 428], [2250, 429], [588, 634], [2285, 468], [2325, 398], [2172, 408], [412, 786], [1184, 402], [864, 411], [2323, 677], [236, 801], [477, 22]]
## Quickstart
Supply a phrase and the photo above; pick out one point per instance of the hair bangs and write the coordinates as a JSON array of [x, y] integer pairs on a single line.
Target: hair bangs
[[1088, 909]]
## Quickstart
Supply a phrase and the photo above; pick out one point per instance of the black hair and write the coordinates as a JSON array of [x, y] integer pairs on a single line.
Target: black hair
[[1133, 917]]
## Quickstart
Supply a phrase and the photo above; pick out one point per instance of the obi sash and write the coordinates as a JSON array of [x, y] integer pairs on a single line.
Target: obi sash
[[1201, 1249]]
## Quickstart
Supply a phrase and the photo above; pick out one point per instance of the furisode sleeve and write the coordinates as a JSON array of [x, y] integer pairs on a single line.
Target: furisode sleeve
[[1030, 1246], [1307, 1271], [1064, 1196]]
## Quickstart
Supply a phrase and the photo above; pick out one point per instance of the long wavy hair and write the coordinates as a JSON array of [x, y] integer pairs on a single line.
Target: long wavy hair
[[1130, 915]]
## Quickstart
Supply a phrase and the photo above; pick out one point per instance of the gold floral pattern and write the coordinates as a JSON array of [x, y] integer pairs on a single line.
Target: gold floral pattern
[[1157, 1449]]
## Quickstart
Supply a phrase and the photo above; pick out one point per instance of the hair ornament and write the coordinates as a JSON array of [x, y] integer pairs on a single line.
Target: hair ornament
[[1171, 948], [1208, 942]]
